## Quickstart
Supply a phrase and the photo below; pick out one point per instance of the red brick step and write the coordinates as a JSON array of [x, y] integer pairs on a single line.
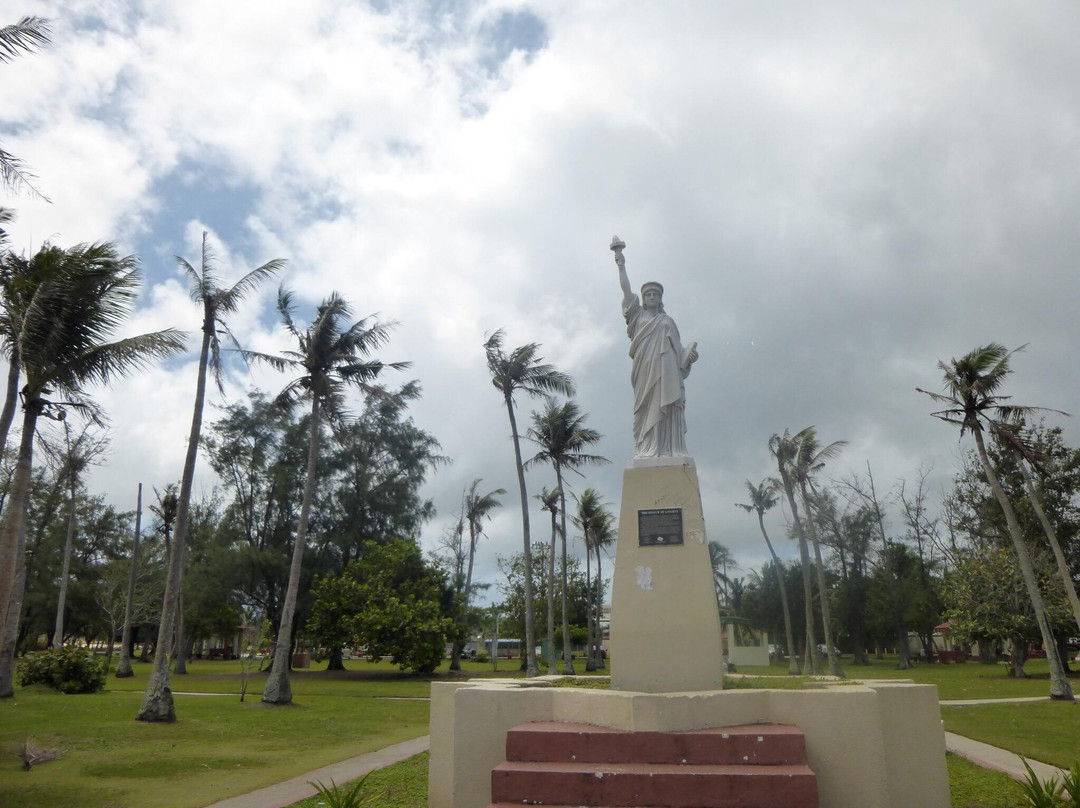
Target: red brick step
[[752, 744], [652, 784]]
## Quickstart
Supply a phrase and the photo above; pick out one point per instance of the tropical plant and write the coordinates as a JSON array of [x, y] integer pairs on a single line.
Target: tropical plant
[[331, 356], [1048, 793], [69, 669], [810, 459], [123, 667], [597, 525], [523, 370], [784, 449], [562, 436], [549, 501], [217, 302], [82, 295], [763, 498], [25, 36], [973, 401], [77, 457], [340, 797]]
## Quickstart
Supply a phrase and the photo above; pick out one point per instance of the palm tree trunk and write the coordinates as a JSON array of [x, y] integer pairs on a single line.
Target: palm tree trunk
[[531, 668], [1051, 536], [590, 627], [69, 540], [15, 521], [157, 704], [598, 637], [1059, 685], [823, 589], [9, 640], [179, 657], [552, 667], [123, 667], [11, 397], [809, 661], [793, 660], [278, 689], [567, 654]]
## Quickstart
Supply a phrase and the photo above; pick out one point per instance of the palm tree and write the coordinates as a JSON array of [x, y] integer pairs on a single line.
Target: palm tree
[[597, 525], [763, 498], [809, 459], [77, 457], [476, 508], [217, 302], [784, 450], [123, 667], [720, 559], [1051, 537], [549, 501], [331, 357], [603, 536], [25, 36], [561, 433], [82, 296], [973, 401], [522, 370]]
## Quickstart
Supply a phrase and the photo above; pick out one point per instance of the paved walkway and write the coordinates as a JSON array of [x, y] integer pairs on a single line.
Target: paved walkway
[[991, 757], [286, 793]]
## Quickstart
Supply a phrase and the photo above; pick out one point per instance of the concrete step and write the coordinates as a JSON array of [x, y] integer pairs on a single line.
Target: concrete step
[[753, 744], [653, 784]]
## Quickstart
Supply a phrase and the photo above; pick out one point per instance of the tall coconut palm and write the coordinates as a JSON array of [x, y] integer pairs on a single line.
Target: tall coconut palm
[[720, 559], [784, 450], [809, 460], [477, 509], [972, 400], [123, 667], [597, 525], [549, 501], [331, 356], [523, 370], [25, 36], [762, 499], [1051, 537], [603, 535], [217, 303], [82, 295], [77, 457], [561, 433]]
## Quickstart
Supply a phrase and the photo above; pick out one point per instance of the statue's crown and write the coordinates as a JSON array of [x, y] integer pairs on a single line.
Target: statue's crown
[[652, 285]]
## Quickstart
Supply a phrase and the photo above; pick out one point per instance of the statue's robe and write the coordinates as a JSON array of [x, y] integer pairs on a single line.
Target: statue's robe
[[659, 367]]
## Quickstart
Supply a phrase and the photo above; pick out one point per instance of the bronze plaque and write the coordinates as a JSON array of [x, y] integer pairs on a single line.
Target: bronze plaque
[[659, 527]]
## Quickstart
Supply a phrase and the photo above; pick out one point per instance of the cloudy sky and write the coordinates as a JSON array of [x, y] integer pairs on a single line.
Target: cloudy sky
[[835, 195]]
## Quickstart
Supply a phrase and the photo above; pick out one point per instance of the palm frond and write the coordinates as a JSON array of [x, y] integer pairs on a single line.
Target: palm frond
[[25, 36], [229, 299]]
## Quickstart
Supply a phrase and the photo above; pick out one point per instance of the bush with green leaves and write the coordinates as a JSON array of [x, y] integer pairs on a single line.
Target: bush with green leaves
[[69, 669]]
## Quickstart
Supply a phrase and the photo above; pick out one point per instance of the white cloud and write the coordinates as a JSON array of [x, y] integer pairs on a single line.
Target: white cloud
[[834, 196]]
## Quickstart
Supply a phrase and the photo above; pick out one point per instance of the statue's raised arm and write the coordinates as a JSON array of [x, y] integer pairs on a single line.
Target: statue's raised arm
[[659, 365]]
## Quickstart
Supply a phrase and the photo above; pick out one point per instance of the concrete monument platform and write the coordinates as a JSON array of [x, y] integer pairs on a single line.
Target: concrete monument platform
[[878, 744]]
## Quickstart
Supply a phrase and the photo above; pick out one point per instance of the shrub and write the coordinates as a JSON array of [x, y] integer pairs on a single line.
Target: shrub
[[481, 656], [70, 669]]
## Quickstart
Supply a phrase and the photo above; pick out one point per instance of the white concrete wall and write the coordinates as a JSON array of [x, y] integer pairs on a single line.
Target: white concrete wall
[[879, 745]]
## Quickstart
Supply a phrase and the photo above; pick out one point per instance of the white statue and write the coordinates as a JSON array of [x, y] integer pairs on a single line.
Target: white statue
[[660, 363]]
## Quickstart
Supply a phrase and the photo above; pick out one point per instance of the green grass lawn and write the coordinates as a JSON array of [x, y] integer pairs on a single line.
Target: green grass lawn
[[217, 747], [969, 680], [220, 747]]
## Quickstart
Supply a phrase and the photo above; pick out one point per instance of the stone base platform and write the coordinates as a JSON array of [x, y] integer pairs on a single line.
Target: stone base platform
[[879, 744]]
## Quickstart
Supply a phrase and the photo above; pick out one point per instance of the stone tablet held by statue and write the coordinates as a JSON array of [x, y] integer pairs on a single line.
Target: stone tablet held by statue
[[660, 363]]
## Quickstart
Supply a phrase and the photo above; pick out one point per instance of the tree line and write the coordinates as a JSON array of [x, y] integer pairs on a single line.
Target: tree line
[[993, 565]]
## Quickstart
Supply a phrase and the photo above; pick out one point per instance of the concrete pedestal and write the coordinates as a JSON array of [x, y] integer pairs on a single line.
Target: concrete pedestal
[[665, 626]]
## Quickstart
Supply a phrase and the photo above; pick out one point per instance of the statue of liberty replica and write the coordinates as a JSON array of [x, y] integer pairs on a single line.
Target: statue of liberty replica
[[663, 594]]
